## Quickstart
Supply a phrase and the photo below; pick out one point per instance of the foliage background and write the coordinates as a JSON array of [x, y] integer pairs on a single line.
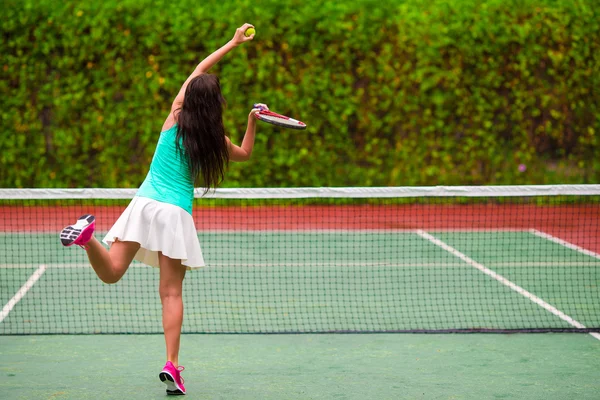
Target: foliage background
[[401, 92]]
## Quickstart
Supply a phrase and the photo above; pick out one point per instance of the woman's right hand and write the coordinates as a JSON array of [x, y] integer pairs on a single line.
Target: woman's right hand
[[258, 107]]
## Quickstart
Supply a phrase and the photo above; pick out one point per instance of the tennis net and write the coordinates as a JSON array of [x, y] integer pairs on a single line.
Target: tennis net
[[398, 259]]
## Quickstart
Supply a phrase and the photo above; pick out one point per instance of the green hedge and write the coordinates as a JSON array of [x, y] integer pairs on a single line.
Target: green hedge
[[399, 92]]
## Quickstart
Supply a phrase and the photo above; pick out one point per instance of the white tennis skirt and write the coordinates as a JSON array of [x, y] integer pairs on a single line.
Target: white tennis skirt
[[158, 227]]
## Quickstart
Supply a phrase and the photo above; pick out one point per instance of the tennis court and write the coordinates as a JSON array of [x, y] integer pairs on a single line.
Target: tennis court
[[304, 272]]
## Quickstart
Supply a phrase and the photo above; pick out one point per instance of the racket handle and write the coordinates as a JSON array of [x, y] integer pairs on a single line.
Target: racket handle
[[261, 108]]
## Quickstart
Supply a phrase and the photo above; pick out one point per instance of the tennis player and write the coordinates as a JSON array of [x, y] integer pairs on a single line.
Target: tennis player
[[157, 227]]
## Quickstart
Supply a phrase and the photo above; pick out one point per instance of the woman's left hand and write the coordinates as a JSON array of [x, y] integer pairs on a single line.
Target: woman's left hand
[[240, 34]]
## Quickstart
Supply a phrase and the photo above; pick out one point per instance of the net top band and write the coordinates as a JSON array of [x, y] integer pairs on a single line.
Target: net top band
[[320, 192]]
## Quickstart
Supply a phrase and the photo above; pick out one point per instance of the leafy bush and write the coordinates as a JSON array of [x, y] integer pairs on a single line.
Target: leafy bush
[[394, 93]]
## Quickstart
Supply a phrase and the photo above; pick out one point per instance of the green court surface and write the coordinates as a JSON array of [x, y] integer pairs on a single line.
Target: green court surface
[[282, 282], [273, 282], [328, 366]]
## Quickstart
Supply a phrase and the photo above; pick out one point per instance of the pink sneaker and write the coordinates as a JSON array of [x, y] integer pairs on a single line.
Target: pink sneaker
[[80, 233], [171, 377]]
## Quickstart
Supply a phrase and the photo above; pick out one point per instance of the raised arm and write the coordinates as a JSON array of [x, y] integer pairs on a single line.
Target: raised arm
[[243, 152], [205, 65]]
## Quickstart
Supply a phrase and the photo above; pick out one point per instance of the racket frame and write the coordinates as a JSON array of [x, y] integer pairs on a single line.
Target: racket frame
[[294, 123]]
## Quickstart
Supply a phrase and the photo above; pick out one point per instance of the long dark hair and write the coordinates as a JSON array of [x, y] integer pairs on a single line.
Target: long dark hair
[[200, 130]]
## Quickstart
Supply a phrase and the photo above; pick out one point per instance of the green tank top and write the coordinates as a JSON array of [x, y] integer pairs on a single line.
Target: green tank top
[[169, 179]]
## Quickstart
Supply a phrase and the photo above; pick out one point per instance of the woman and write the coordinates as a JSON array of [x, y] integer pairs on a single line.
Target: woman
[[157, 227]]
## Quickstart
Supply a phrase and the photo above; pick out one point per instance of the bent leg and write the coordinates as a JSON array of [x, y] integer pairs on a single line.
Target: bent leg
[[170, 290], [111, 265]]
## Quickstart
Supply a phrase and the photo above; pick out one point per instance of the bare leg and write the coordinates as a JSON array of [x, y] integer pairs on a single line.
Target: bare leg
[[170, 288], [111, 265]]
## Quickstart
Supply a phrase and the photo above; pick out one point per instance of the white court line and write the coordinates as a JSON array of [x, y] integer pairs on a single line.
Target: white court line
[[258, 230], [308, 263], [21, 292], [564, 243], [312, 231], [237, 263], [505, 282], [234, 263]]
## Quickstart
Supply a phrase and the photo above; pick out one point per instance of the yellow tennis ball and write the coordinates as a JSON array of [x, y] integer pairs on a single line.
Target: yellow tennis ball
[[250, 31]]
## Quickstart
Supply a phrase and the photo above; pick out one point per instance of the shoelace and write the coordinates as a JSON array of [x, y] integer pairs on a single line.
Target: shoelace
[[180, 369]]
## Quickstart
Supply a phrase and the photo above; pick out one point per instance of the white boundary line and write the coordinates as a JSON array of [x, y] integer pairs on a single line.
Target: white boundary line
[[564, 243], [505, 282], [312, 231], [22, 291], [244, 264], [309, 263]]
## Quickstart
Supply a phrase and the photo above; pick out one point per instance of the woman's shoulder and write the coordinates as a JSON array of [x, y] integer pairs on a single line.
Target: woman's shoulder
[[169, 130]]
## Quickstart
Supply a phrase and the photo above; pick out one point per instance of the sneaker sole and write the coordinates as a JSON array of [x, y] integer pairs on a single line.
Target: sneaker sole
[[172, 388], [70, 234]]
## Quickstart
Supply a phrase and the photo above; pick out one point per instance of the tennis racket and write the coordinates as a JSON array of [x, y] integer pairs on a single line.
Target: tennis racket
[[278, 119]]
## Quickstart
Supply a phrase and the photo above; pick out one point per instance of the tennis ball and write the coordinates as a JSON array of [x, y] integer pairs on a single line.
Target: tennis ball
[[250, 31]]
